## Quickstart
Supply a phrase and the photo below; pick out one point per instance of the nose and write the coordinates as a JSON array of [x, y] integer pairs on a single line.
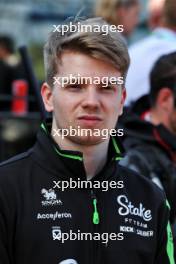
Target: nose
[[91, 98]]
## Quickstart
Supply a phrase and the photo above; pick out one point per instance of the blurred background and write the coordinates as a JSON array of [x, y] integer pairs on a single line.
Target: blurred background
[[28, 22]]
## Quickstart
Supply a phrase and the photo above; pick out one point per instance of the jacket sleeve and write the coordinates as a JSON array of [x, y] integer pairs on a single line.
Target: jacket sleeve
[[156, 168], [6, 214], [3, 245], [4, 257], [165, 249], [136, 160]]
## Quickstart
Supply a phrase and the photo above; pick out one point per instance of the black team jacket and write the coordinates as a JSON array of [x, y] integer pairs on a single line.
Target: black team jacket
[[126, 224]]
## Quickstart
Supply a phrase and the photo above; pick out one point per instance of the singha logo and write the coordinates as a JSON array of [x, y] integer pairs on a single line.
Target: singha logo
[[50, 198], [49, 195]]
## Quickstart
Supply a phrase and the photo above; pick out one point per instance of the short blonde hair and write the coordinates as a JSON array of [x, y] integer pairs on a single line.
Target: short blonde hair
[[109, 47], [107, 9]]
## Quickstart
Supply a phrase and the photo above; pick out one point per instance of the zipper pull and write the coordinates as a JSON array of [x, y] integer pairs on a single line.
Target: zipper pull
[[96, 218]]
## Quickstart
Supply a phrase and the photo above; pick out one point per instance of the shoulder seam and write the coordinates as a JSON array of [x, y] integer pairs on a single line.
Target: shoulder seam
[[16, 158]]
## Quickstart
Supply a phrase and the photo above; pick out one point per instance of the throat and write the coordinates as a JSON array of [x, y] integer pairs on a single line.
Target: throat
[[95, 158]]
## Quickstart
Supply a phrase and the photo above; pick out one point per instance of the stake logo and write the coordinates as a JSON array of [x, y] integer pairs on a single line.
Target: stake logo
[[127, 208]]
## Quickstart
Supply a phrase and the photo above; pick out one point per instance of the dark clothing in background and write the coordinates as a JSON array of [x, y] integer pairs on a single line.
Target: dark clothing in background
[[6, 77], [8, 74], [147, 155], [151, 151]]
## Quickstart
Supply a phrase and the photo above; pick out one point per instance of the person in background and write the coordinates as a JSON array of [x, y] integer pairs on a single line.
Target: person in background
[[10, 70], [155, 13], [120, 12], [7, 51], [151, 137], [145, 52]]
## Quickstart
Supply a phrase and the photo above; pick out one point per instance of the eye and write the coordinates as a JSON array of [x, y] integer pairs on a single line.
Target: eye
[[73, 87], [108, 88]]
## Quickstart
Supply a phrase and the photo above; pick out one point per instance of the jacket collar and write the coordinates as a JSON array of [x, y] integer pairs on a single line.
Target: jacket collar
[[67, 163], [167, 137]]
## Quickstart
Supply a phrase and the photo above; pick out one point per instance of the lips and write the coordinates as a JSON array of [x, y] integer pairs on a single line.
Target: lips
[[90, 117], [89, 120]]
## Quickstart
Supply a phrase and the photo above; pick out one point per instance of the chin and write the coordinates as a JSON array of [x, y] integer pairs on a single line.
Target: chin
[[87, 140]]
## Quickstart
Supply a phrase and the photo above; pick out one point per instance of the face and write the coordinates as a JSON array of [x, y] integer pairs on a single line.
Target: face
[[129, 18], [172, 120], [87, 105], [167, 109]]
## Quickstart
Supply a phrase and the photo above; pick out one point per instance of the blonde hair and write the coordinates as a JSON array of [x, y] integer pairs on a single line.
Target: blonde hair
[[109, 47], [107, 9]]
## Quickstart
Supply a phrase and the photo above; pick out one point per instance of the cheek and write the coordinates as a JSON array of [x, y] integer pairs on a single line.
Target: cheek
[[59, 105], [125, 23], [64, 107], [118, 106], [174, 117], [114, 108], [131, 19]]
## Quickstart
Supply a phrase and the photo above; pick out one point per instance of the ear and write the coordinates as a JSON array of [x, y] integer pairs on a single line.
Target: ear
[[47, 96], [165, 99], [122, 101]]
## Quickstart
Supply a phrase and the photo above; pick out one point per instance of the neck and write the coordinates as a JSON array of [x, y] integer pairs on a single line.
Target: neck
[[94, 156], [155, 118], [159, 117]]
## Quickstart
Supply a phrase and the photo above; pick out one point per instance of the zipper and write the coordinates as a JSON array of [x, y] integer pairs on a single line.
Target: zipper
[[96, 217], [95, 222]]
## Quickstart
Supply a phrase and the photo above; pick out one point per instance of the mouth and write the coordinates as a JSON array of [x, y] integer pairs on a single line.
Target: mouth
[[89, 120], [90, 117]]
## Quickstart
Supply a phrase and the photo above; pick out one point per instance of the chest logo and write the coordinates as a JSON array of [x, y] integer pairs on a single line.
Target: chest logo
[[69, 261], [127, 208], [56, 233], [50, 198]]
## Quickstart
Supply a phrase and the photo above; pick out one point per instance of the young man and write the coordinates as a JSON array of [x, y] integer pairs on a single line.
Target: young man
[[40, 223]]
